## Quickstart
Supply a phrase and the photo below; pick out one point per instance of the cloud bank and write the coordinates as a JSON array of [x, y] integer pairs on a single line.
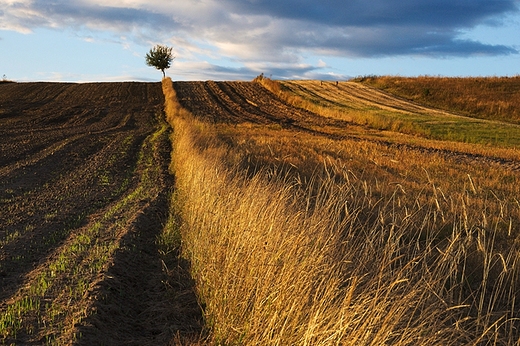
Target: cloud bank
[[278, 32]]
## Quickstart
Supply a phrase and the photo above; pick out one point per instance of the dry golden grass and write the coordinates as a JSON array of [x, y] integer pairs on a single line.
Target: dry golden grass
[[300, 240], [411, 175], [483, 97], [378, 115]]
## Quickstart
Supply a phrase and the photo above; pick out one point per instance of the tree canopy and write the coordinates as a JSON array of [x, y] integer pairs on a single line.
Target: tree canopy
[[160, 57]]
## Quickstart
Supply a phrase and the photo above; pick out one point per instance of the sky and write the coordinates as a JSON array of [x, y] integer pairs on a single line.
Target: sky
[[106, 40]]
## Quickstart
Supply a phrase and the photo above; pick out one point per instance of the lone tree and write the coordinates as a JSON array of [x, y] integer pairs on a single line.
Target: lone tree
[[160, 57]]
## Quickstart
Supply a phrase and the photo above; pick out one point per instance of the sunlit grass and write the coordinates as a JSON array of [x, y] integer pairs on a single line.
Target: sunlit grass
[[494, 98], [297, 239], [331, 100]]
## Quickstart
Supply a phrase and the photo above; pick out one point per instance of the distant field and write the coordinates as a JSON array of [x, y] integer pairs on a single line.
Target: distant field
[[496, 98], [362, 105]]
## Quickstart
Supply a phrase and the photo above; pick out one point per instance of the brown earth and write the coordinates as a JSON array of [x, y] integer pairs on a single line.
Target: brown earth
[[71, 160], [237, 102]]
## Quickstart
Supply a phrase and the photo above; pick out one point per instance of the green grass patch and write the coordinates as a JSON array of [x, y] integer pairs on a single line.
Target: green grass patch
[[432, 125]]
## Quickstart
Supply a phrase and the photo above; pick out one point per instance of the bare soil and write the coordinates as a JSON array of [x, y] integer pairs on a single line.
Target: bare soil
[[56, 140], [238, 102], [69, 154]]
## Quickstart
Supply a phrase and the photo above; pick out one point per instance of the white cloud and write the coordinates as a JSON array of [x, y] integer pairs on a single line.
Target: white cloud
[[277, 30], [322, 63], [272, 34]]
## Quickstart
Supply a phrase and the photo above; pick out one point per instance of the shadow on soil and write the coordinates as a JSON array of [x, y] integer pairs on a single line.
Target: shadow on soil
[[138, 303]]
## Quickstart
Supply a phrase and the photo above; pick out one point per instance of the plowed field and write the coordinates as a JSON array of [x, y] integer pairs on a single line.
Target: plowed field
[[83, 195], [84, 189], [238, 102]]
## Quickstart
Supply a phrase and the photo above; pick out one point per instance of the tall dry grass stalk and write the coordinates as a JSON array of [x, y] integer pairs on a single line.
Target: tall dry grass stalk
[[280, 264]]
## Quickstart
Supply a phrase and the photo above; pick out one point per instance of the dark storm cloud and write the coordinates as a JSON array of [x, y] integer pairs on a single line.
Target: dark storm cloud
[[383, 27], [389, 41], [281, 30], [444, 13]]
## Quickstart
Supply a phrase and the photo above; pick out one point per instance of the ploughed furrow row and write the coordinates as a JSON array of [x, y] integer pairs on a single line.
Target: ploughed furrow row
[[237, 102], [30, 127], [83, 183], [46, 191], [203, 102], [40, 216]]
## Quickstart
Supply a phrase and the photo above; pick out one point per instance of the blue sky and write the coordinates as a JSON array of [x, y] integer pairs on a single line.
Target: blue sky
[[104, 40]]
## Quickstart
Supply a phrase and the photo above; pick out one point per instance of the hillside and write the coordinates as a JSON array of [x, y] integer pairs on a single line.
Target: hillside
[[254, 213], [407, 236], [481, 97]]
